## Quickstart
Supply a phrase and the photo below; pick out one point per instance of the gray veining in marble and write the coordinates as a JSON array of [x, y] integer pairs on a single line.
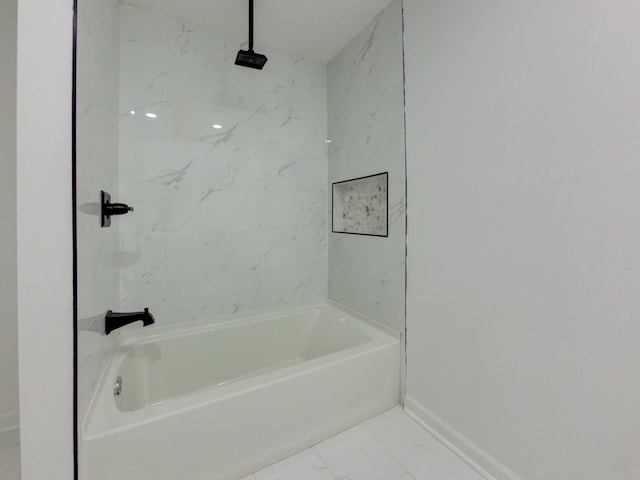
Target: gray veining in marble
[[366, 129], [226, 219]]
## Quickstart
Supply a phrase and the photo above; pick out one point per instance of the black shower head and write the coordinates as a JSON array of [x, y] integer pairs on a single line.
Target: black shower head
[[249, 58]]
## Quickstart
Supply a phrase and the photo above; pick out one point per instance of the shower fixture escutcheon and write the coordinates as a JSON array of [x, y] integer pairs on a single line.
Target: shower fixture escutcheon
[[107, 209], [117, 386]]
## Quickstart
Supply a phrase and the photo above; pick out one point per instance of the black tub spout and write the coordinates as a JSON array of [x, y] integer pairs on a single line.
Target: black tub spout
[[115, 320]]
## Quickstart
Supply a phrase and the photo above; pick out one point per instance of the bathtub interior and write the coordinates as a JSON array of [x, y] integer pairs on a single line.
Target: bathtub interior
[[167, 365], [346, 369]]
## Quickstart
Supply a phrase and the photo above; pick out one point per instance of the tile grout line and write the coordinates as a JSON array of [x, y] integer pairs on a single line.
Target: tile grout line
[[380, 442], [390, 453], [384, 447], [428, 434]]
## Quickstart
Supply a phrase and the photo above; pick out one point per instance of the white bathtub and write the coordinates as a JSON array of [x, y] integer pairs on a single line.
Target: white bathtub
[[220, 400]]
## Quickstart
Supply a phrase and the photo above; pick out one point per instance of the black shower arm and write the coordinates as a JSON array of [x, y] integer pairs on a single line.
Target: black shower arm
[[251, 25]]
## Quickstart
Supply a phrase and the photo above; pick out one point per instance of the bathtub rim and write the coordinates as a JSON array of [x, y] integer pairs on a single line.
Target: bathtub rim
[[134, 334]]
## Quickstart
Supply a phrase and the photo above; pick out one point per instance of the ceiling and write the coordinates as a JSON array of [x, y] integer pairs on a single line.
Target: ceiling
[[315, 29]]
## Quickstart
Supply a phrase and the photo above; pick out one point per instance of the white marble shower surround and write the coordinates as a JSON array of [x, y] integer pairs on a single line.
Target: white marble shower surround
[[366, 129], [226, 219]]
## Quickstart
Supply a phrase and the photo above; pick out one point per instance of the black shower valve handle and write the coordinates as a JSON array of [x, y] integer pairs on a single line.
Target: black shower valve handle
[[108, 209], [117, 209]]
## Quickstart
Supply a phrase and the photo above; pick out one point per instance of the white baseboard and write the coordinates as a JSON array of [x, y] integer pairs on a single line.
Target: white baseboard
[[9, 421], [483, 463]]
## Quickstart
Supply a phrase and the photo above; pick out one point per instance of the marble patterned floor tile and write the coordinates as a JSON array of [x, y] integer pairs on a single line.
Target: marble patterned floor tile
[[415, 448], [408, 476], [398, 432], [306, 465], [358, 455], [442, 467]]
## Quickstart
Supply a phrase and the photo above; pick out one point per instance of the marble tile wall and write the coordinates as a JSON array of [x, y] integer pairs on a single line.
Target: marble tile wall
[[366, 129], [226, 219], [97, 169]]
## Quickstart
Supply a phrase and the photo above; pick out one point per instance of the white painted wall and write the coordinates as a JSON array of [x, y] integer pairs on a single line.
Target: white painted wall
[[366, 127], [524, 231], [8, 285], [44, 238]]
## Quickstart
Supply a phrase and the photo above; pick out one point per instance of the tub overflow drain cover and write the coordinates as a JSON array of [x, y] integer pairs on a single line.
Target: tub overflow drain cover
[[117, 386]]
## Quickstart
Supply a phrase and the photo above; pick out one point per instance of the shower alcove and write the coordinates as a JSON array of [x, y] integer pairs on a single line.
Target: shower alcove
[[229, 171]]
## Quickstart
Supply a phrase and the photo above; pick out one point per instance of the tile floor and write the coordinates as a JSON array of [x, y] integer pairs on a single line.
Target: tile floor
[[10, 456], [390, 446]]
